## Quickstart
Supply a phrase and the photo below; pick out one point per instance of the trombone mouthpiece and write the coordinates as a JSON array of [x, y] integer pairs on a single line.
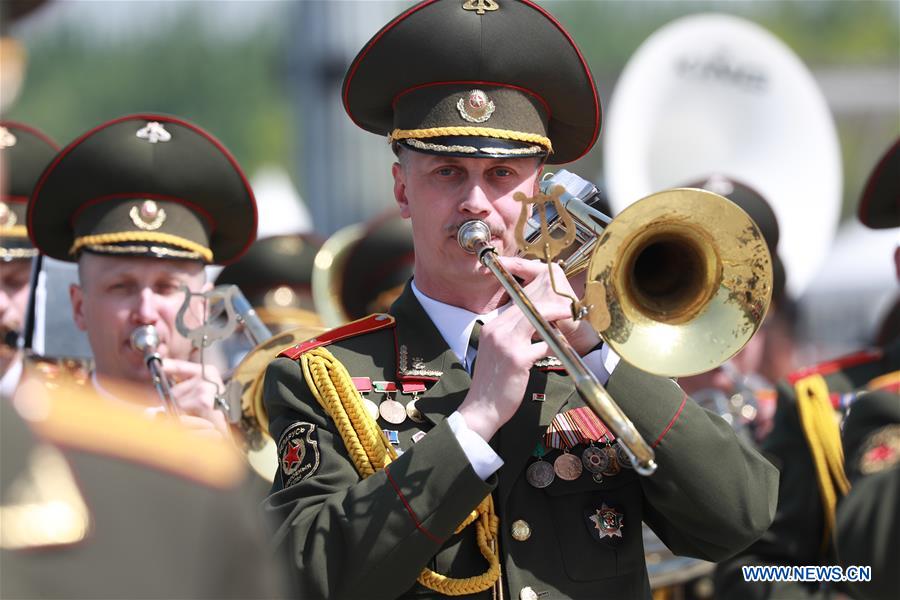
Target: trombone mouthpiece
[[472, 235], [145, 339]]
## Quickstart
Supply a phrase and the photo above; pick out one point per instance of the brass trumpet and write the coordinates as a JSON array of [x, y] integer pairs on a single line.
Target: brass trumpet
[[145, 339], [676, 284]]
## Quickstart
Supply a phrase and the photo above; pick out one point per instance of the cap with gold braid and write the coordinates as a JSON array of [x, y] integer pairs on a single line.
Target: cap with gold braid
[[24, 153], [275, 275], [482, 79], [144, 185], [363, 268]]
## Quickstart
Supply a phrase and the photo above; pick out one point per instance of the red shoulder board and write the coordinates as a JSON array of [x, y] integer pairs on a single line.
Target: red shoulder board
[[889, 382], [352, 329], [838, 364]]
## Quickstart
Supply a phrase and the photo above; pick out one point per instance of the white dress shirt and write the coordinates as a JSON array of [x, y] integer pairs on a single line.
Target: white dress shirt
[[455, 326]]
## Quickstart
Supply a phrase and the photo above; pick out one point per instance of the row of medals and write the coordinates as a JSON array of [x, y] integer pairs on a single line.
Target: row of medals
[[599, 461], [395, 412]]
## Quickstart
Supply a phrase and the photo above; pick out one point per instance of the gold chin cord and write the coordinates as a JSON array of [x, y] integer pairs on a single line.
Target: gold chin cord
[[676, 284]]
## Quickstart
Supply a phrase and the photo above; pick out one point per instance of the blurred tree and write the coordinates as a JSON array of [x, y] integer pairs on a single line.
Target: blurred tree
[[229, 85]]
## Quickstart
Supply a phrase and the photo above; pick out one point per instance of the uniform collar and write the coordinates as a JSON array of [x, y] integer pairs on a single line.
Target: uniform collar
[[454, 323]]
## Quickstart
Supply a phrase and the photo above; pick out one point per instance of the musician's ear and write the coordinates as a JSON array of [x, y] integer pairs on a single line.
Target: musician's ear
[[540, 175], [399, 174], [76, 297]]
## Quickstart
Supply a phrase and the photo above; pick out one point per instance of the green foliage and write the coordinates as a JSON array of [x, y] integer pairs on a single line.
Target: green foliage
[[230, 86]]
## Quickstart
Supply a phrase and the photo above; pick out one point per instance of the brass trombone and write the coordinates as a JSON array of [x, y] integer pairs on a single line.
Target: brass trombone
[[676, 284]]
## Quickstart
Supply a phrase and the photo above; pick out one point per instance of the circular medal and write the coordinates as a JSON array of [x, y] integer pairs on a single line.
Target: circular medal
[[371, 407], [594, 459], [623, 458], [597, 477], [392, 411], [540, 474], [413, 413], [567, 466], [613, 467]]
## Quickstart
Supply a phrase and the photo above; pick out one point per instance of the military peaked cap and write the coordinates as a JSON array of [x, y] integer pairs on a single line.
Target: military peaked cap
[[24, 152], [144, 185], [276, 276], [493, 78], [879, 207]]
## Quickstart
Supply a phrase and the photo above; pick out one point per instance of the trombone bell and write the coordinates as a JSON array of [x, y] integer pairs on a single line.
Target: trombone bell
[[686, 277]]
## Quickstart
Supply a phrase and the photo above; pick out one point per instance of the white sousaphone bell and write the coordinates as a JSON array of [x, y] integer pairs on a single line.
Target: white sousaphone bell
[[716, 94]]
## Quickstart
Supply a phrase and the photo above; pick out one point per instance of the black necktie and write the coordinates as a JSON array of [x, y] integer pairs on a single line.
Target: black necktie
[[473, 343]]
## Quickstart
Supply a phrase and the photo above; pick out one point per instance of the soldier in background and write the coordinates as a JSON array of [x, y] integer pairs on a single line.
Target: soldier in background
[[97, 501], [24, 153], [805, 445], [868, 519], [275, 276], [142, 203], [363, 268]]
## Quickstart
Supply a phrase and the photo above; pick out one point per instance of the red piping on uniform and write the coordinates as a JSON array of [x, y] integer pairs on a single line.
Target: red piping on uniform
[[368, 47], [139, 195], [409, 509], [829, 367], [479, 83], [147, 117], [672, 422], [16, 199], [36, 132]]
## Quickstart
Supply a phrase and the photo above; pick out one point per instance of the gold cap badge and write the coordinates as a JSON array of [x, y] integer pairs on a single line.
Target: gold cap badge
[[480, 6], [148, 216], [7, 139], [476, 108], [7, 216]]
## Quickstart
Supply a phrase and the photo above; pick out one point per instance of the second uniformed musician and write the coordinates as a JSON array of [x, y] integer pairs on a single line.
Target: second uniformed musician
[[143, 203]]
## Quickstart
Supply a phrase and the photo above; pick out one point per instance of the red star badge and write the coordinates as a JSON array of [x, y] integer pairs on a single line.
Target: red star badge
[[291, 458]]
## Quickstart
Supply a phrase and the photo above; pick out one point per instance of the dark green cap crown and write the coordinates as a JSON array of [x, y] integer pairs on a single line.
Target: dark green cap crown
[[24, 153], [498, 78], [144, 185]]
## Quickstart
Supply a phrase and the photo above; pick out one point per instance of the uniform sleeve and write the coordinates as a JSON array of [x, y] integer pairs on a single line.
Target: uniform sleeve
[[868, 533], [348, 537], [712, 494], [868, 518]]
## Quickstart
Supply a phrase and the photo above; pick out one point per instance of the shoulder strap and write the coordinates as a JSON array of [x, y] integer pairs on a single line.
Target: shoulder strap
[[354, 328]]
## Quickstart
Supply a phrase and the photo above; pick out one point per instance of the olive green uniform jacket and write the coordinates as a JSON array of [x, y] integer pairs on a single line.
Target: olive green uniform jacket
[[369, 538], [93, 507], [868, 518], [796, 534]]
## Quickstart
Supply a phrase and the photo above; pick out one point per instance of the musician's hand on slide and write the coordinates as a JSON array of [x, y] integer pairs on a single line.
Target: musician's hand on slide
[[555, 308], [194, 395], [506, 350]]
